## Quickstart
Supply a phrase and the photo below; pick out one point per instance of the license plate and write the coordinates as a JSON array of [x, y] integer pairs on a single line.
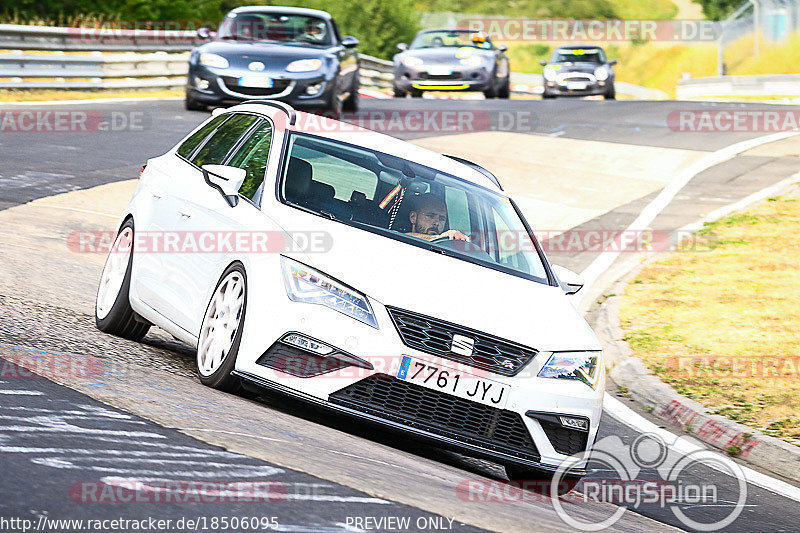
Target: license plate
[[261, 82], [453, 382], [439, 71], [576, 85]]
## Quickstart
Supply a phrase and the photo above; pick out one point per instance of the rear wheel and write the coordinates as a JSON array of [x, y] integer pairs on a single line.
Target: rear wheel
[[113, 313], [221, 331], [415, 93]]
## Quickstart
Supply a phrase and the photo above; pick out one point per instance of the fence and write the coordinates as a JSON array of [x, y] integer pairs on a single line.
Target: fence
[[85, 58], [777, 85]]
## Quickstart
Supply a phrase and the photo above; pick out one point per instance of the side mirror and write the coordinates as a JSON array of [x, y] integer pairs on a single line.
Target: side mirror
[[570, 281], [542, 62], [502, 47], [612, 62], [348, 41], [402, 47], [205, 33], [227, 180]]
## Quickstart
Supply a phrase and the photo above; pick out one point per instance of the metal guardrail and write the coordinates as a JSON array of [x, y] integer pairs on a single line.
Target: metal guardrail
[[776, 85], [154, 59]]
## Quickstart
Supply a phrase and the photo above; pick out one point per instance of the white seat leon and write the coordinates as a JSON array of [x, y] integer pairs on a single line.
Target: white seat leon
[[362, 273]]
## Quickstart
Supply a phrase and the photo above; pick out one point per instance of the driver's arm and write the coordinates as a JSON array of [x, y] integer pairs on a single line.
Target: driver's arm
[[452, 234]]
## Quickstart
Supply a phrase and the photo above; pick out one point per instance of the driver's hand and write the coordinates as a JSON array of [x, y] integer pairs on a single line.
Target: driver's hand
[[453, 235]]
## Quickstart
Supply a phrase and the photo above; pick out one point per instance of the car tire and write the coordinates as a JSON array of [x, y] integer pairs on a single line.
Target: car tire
[[546, 96], [334, 106], [505, 90], [193, 105], [415, 93], [221, 331], [352, 102], [112, 311], [540, 479], [399, 93], [611, 94], [490, 92]]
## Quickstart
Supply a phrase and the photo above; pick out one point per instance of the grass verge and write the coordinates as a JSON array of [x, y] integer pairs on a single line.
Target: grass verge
[[722, 325]]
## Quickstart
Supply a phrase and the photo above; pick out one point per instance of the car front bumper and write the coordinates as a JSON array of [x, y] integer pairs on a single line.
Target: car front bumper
[[383, 348], [591, 88], [460, 78], [221, 87]]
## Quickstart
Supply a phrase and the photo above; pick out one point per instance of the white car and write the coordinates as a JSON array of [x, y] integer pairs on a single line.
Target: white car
[[330, 263]]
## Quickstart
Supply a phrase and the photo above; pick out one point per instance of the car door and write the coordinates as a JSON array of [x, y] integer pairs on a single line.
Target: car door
[[223, 233], [158, 215], [348, 61]]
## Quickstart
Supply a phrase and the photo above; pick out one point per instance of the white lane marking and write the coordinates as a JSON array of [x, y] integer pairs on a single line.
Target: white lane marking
[[75, 429], [87, 416], [741, 204], [96, 412], [636, 421], [77, 209], [602, 262], [231, 471], [91, 101], [201, 454], [22, 392], [333, 498]]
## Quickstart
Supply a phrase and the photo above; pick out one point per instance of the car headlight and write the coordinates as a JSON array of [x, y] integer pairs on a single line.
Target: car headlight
[[213, 60], [601, 73], [411, 61], [581, 366], [472, 61], [549, 73], [304, 284], [304, 65]]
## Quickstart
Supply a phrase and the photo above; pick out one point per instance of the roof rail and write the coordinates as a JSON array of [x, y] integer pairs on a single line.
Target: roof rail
[[477, 167], [286, 108]]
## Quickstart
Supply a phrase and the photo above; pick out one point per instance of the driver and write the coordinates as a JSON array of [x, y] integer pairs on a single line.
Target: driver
[[428, 218], [314, 31]]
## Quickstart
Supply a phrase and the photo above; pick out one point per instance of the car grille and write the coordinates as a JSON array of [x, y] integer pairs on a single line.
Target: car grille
[[232, 84], [435, 337], [565, 440], [441, 77], [296, 362], [436, 412]]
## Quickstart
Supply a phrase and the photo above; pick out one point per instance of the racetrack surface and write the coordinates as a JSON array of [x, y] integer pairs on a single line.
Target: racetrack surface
[[47, 292]]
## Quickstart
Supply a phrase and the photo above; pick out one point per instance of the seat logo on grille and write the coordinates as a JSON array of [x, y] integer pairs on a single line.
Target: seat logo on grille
[[462, 345]]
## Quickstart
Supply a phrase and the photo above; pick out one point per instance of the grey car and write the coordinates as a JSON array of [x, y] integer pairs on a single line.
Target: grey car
[[579, 70], [451, 60], [290, 54]]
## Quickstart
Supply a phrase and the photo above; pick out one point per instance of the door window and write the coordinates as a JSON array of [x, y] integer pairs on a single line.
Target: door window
[[252, 156], [214, 151]]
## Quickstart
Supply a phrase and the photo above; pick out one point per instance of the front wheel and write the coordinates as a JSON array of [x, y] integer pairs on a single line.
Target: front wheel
[[334, 102], [399, 93], [112, 312], [193, 105], [221, 331], [415, 93], [505, 90], [353, 100], [611, 94]]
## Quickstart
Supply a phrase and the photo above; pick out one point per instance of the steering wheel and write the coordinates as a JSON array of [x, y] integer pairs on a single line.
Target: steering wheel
[[458, 245]]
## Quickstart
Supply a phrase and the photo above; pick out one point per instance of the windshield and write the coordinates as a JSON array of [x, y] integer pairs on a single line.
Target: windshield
[[578, 55], [407, 201], [275, 27], [439, 39]]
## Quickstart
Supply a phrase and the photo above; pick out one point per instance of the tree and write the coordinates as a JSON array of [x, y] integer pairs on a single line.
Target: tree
[[718, 9]]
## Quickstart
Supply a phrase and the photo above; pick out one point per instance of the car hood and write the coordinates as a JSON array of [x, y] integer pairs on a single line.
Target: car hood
[[589, 68], [274, 55], [445, 55], [416, 279]]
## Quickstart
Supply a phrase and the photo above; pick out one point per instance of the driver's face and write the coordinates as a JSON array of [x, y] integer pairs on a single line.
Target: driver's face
[[429, 221]]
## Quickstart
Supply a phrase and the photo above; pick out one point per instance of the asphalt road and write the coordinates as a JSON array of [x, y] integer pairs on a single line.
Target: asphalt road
[[43, 164]]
